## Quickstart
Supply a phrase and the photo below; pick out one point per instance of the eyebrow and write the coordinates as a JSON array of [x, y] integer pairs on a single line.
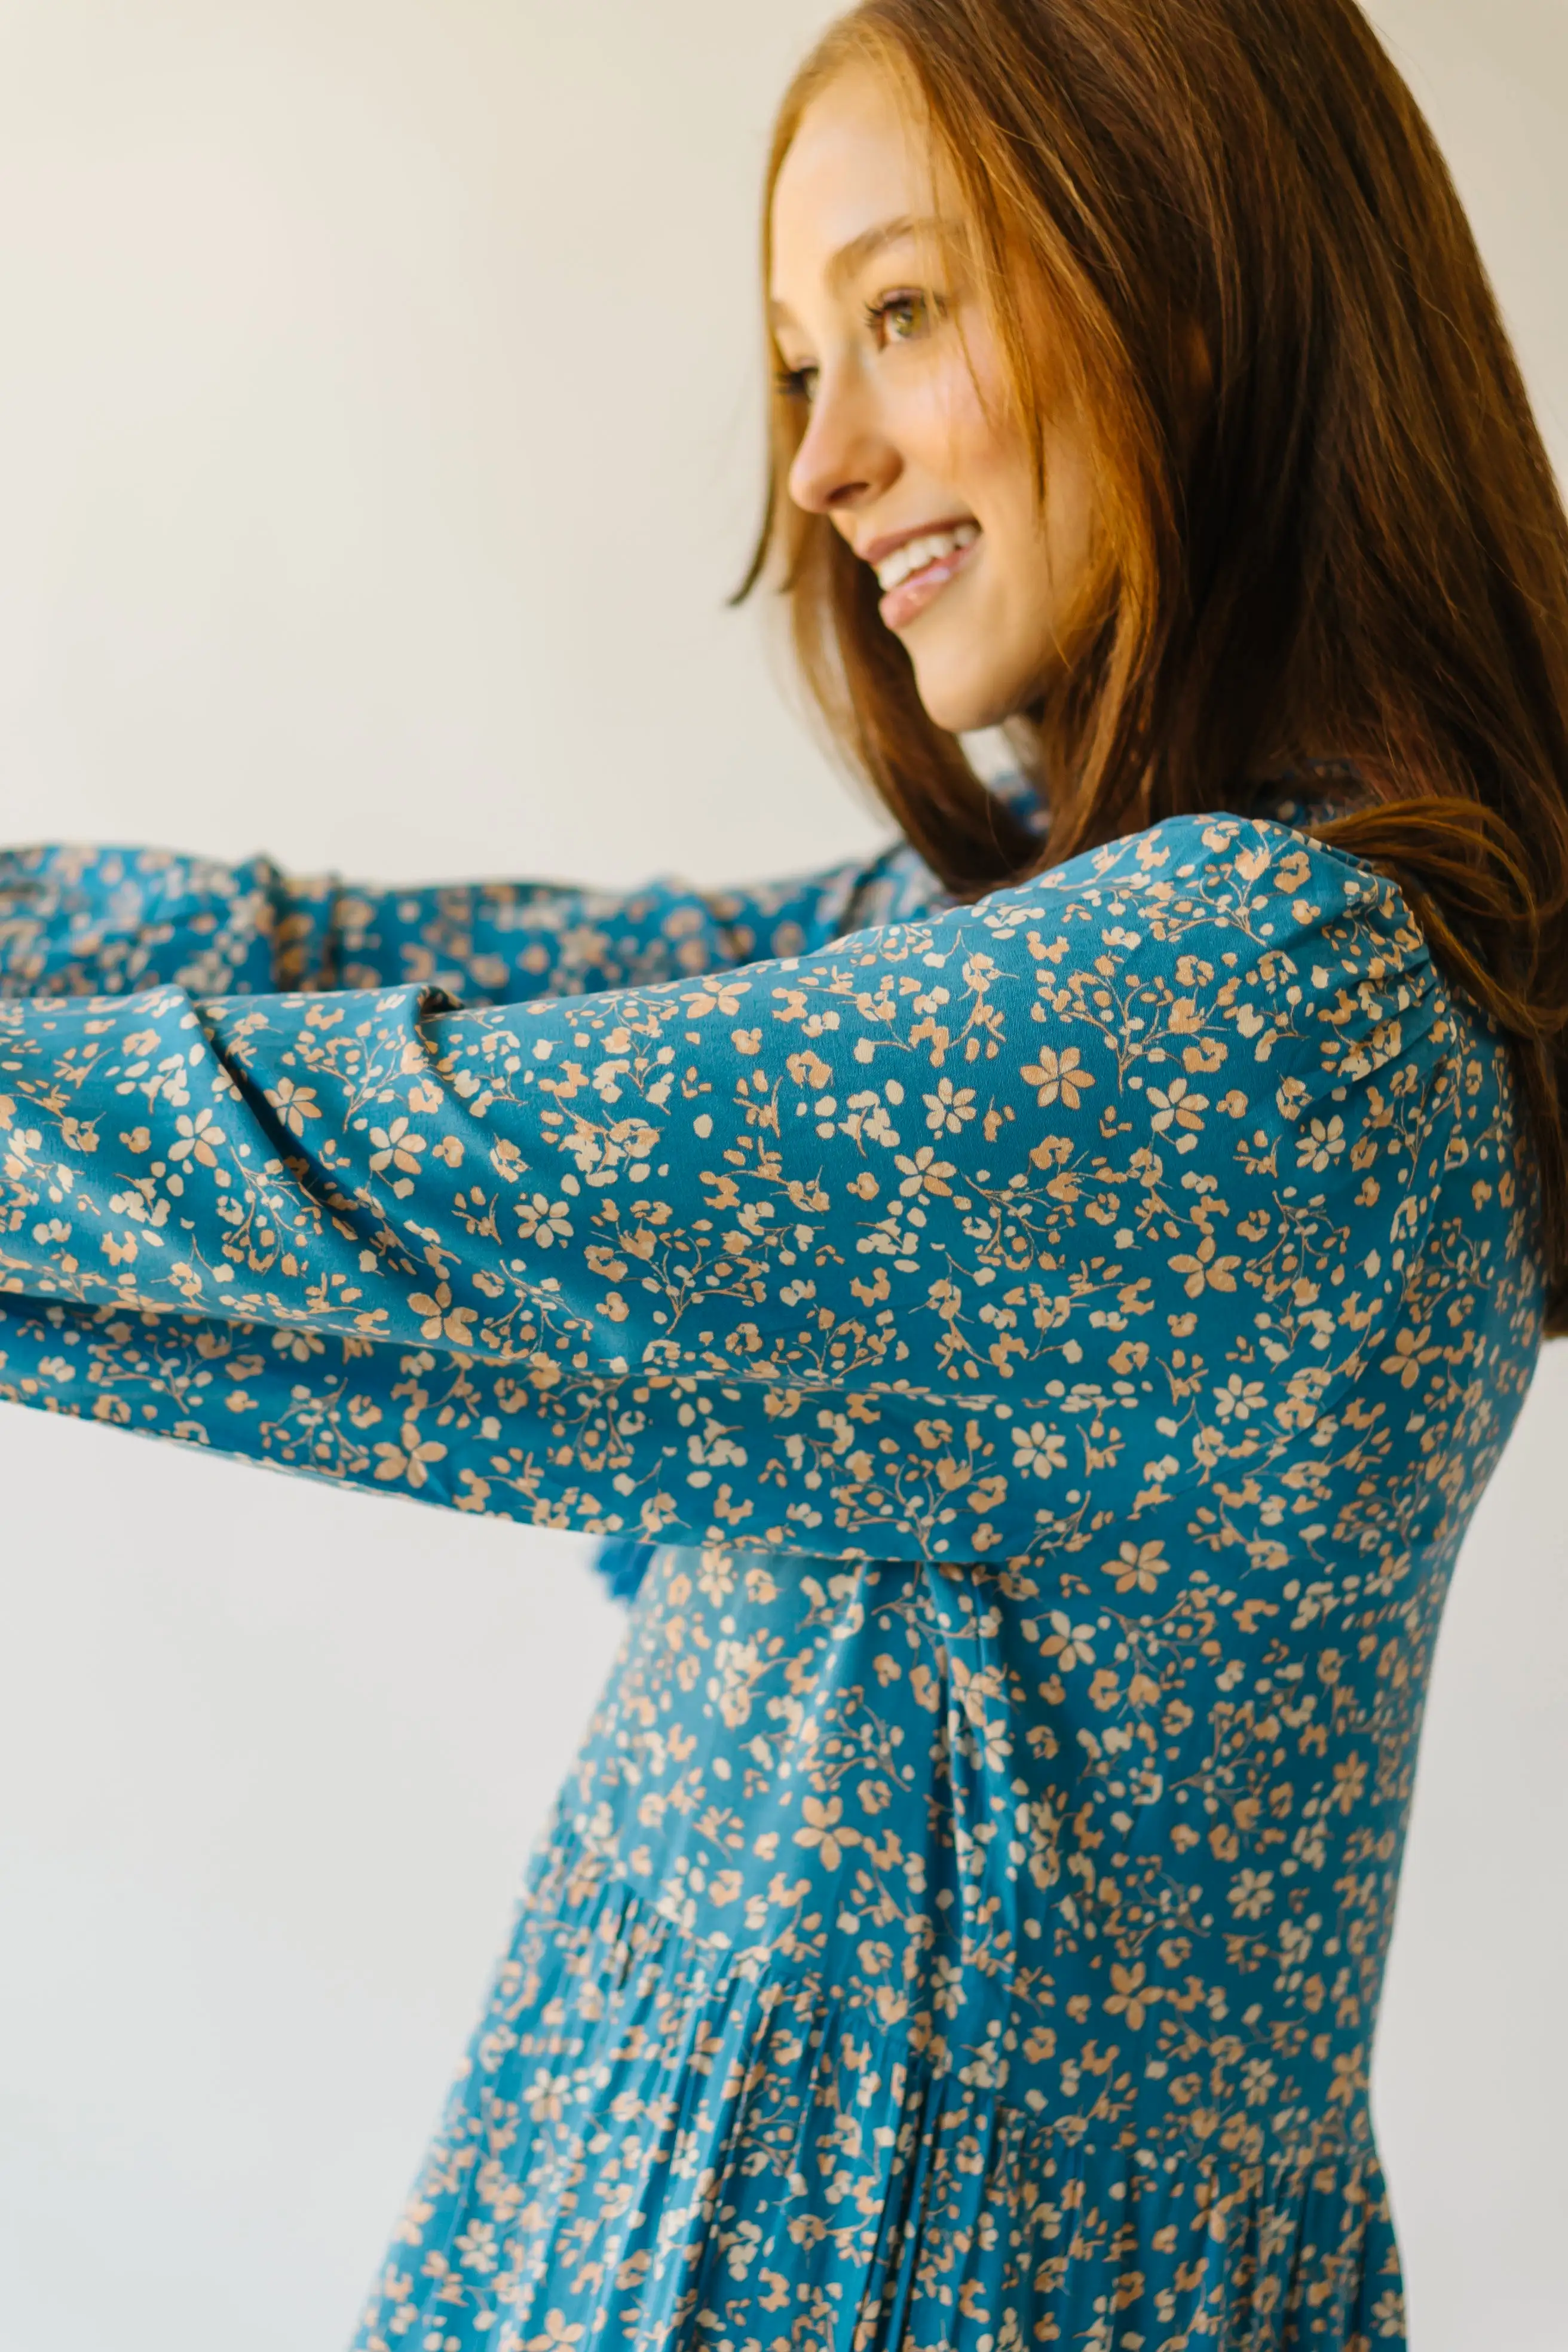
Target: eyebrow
[[850, 259]]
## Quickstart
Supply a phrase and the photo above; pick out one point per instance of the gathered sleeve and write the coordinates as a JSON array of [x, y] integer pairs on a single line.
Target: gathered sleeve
[[931, 1240], [88, 921]]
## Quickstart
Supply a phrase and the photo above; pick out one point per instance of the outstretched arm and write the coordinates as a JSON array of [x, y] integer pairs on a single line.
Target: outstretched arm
[[883, 1249], [97, 922]]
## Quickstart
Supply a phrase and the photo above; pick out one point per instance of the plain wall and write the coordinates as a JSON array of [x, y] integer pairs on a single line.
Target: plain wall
[[379, 437]]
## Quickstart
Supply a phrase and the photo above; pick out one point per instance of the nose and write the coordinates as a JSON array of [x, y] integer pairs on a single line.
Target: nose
[[844, 461]]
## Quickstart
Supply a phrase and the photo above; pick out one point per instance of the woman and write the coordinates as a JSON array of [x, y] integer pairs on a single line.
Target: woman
[[1032, 1318]]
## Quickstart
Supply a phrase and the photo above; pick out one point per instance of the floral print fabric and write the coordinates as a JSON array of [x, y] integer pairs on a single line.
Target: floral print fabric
[[1055, 1346]]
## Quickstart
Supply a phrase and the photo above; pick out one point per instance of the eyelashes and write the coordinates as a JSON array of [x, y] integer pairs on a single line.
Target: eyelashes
[[795, 383], [901, 317]]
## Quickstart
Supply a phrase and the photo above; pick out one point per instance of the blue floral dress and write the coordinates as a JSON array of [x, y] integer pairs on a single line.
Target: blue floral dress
[[1033, 1364]]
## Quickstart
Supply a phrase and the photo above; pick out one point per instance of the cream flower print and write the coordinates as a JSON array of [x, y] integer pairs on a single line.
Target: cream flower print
[[1060, 1078], [558, 2334], [1239, 1398], [1177, 1107], [412, 1461], [543, 1221], [1131, 1996], [1252, 1893], [826, 1829], [1321, 1143], [475, 2247], [1412, 1353], [396, 1147], [294, 1105], [1206, 1267], [950, 1109], [924, 1172], [1038, 1450], [442, 1320], [298, 1344], [1138, 1567], [198, 1138], [1066, 1644]]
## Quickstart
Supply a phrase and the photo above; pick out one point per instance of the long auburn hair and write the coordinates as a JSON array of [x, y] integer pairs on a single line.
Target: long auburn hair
[[1362, 546]]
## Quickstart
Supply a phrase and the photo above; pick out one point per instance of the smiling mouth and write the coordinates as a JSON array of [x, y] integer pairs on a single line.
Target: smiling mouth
[[911, 575], [916, 553]]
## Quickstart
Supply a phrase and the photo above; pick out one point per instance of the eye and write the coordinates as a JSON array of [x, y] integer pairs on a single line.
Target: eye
[[795, 383], [903, 317]]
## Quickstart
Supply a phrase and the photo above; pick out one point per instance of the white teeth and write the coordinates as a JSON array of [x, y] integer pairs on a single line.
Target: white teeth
[[916, 553]]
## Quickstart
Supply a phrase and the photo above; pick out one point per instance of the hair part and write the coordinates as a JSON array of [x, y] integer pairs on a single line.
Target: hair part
[[1359, 553]]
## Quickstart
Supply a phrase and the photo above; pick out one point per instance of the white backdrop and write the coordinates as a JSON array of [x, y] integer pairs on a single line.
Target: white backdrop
[[378, 437]]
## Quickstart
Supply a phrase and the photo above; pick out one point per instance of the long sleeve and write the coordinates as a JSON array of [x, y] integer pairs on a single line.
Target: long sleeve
[[932, 1241], [105, 921]]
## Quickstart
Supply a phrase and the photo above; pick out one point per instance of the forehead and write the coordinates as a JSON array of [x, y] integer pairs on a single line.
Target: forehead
[[856, 164]]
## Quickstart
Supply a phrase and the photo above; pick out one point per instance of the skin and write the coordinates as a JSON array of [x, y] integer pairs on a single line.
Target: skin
[[896, 366]]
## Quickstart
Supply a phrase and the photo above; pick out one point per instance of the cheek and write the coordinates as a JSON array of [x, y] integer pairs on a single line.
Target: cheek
[[987, 463], [949, 429]]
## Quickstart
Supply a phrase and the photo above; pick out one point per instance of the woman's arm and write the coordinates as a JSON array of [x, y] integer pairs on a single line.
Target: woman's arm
[[96, 921], [876, 1249]]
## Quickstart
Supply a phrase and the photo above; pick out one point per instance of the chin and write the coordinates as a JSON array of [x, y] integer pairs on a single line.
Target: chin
[[962, 705]]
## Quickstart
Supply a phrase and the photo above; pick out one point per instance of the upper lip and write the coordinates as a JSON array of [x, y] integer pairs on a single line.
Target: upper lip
[[878, 549]]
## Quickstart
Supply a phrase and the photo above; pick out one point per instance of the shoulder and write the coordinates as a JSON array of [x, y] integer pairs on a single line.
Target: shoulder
[[1227, 946], [1231, 903], [1258, 877]]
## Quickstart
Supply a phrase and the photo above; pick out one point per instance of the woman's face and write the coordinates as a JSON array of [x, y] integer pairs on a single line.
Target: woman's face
[[908, 449]]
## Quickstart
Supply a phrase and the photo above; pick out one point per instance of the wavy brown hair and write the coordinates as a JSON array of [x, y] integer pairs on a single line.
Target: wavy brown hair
[[1360, 550]]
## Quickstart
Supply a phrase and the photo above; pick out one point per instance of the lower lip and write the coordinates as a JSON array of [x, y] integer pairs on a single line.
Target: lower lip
[[905, 603]]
